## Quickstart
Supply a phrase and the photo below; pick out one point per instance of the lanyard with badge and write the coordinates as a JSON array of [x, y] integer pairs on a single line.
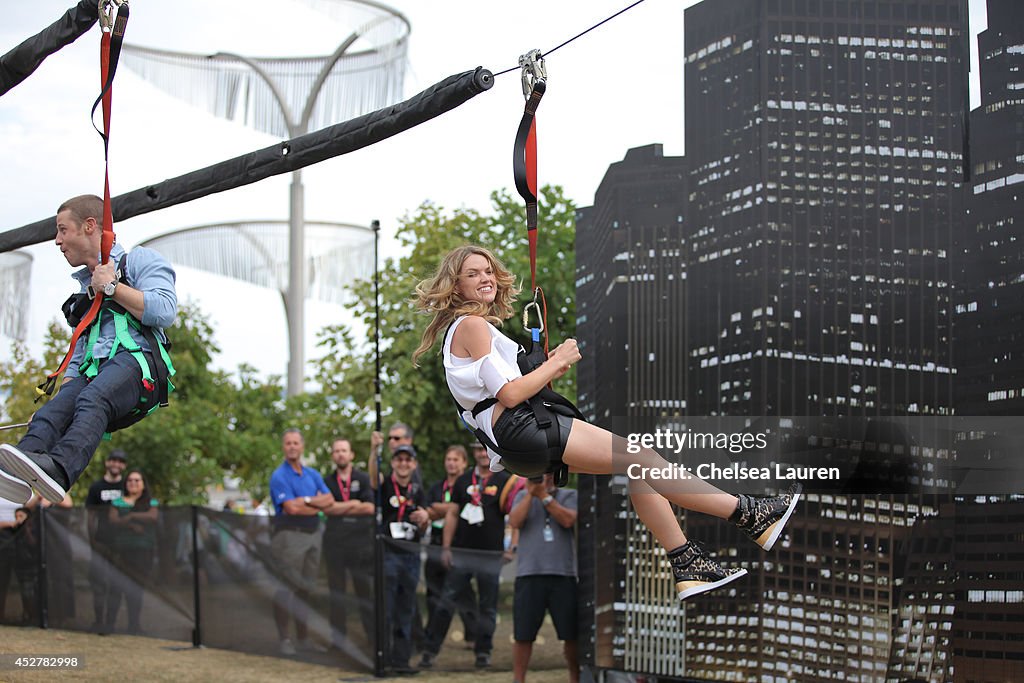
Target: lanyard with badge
[[474, 511], [346, 488], [549, 533], [401, 530]]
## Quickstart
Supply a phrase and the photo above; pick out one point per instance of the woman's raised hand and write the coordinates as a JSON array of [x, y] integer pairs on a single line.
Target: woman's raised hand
[[565, 355]]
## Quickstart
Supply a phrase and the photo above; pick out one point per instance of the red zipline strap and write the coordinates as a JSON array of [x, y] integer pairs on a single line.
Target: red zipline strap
[[524, 170], [110, 50]]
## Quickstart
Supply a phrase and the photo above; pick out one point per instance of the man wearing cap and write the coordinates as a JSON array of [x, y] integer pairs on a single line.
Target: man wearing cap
[[400, 434], [404, 519], [102, 493], [299, 494]]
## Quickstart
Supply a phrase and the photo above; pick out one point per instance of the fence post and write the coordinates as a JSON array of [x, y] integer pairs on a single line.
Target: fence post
[[41, 592], [380, 619], [197, 630]]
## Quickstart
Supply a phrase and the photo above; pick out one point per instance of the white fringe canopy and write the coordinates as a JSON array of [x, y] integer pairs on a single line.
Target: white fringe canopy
[[229, 87], [15, 276], [337, 254]]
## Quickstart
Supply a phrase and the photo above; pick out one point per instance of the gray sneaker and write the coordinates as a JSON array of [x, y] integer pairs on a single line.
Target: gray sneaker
[[695, 572], [38, 470], [764, 518], [14, 490]]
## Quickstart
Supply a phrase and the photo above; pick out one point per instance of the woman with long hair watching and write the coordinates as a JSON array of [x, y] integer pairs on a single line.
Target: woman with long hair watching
[[133, 517]]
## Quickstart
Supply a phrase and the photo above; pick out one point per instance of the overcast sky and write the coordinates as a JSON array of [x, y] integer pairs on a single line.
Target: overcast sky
[[618, 87]]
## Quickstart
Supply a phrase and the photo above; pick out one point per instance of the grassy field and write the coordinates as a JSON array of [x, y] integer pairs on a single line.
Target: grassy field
[[131, 658]]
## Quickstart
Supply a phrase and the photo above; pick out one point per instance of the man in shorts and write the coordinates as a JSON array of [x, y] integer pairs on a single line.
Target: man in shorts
[[545, 571]]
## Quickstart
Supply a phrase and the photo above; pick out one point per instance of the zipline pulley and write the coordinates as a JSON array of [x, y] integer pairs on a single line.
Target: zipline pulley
[[107, 12], [532, 64]]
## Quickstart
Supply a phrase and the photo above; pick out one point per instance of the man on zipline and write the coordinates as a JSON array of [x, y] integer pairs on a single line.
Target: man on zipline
[[118, 371]]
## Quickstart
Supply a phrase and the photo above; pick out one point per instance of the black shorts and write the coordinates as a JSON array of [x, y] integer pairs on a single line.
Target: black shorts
[[516, 430], [534, 595]]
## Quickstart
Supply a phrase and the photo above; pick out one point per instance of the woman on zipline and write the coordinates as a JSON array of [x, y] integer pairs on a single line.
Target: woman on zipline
[[471, 294]]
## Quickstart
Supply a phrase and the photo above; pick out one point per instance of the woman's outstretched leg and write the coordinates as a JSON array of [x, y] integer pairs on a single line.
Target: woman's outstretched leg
[[594, 450], [597, 451], [693, 570]]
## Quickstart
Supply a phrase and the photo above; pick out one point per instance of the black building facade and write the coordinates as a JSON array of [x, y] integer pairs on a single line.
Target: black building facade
[[990, 316], [825, 141], [631, 289]]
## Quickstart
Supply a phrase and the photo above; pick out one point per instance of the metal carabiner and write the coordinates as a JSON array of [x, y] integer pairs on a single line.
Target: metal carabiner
[[106, 16], [534, 331], [534, 70]]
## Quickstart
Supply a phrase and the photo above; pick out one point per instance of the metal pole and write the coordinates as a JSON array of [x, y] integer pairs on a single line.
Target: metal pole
[[375, 226], [296, 298], [380, 602]]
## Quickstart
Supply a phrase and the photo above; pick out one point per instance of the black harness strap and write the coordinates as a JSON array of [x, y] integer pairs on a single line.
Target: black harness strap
[[78, 305], [542, 404]]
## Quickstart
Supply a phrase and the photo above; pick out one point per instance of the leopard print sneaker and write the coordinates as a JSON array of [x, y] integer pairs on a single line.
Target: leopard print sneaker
[[695, 572], [764, 518]]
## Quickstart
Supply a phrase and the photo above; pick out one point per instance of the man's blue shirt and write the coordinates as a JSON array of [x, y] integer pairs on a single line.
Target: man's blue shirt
[[287, 484], [151, 274]]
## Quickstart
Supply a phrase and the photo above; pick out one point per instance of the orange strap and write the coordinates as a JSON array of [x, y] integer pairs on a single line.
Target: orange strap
[[110, 50]]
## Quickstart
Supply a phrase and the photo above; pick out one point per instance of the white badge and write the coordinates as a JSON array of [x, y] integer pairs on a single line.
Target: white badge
[[549, 533], [474, 514], [403, 531]]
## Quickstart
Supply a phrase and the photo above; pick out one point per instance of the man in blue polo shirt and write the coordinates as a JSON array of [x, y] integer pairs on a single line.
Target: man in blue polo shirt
[[299, 494]]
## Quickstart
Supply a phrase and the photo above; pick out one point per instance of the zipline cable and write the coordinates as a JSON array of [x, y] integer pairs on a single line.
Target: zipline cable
[[578, 35]]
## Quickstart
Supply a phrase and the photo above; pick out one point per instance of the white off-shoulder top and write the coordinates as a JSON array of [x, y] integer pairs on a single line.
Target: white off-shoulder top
[[472, 381]]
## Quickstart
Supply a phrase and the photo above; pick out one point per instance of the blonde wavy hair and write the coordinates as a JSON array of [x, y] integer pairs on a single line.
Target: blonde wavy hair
[[438, 296]]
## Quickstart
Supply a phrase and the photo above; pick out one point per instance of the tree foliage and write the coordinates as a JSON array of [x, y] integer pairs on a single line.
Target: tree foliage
[[419, 396]]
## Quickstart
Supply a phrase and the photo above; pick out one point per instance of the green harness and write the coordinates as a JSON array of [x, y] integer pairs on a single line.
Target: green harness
[[156, 389]]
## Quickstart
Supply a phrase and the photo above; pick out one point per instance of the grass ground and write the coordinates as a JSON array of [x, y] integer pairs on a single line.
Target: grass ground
[[132, 658]]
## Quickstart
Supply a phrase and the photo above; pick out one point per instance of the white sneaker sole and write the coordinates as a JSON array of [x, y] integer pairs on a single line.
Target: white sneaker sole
[[16, 464], [692, 588], [14, 490], [776, 529]]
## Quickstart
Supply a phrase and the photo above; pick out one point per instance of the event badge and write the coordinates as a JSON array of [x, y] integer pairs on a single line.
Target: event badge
[[549, 533], [474, 514], [403, 531]]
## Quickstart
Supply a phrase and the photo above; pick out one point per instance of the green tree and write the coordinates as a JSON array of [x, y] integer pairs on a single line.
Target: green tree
[[419, 396], [20, 376]]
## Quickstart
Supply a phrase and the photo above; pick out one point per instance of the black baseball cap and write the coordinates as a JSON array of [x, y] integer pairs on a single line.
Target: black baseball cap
[[406, 449], [118, 454]]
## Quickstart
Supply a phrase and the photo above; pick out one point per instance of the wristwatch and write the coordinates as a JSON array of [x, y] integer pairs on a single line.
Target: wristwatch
[[546, 500], [109, 288], [307, 500]]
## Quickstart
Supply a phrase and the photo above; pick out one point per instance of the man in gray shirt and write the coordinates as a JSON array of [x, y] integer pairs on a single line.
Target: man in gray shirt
[[545, 571]]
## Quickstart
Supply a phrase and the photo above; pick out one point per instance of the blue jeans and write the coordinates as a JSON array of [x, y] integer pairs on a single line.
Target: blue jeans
[[70, 425], [486, 570], [401, 574]]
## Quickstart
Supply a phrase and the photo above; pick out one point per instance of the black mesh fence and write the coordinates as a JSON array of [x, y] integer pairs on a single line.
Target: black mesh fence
[[237, 582]]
